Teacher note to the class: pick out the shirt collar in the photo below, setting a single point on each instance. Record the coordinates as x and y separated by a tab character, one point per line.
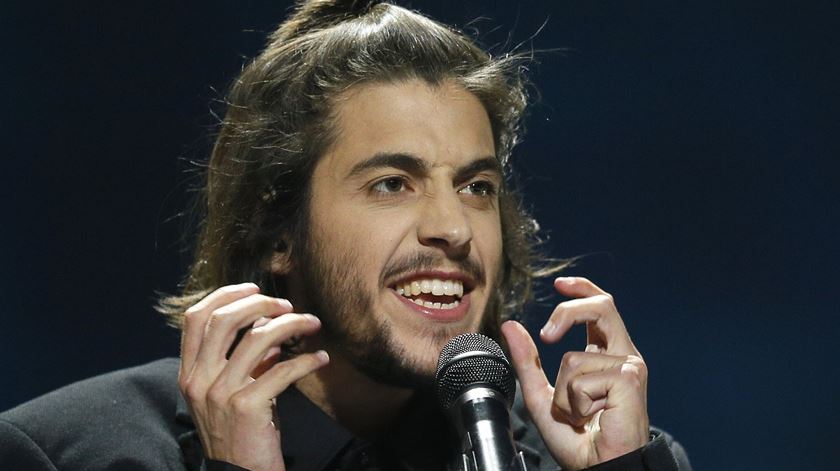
311	439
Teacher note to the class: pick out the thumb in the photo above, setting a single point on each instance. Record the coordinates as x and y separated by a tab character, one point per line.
536	390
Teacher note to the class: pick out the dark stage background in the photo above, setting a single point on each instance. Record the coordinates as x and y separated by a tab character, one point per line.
688	147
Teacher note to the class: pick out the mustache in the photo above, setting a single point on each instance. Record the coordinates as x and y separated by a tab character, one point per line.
424	261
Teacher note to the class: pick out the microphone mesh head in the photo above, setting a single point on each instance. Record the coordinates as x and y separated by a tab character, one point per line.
471	359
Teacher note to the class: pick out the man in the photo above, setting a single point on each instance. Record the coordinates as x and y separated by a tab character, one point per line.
360	176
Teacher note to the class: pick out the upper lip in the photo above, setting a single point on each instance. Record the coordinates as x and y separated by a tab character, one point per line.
468	282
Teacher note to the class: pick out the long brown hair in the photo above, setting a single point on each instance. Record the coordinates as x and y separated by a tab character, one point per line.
278	123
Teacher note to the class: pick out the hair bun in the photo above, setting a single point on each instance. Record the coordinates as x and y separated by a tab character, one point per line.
312	15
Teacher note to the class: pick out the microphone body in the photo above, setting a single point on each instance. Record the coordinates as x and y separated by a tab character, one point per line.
475	386
482	421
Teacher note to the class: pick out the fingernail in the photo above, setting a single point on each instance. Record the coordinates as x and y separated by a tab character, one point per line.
247	285
284	302
548	329
323	356
563	279
592	348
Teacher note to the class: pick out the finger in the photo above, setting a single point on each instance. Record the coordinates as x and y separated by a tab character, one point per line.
575	365
605	329
559	322
580	363
579	287
585	396
573	287
261	322
196	316
257	342
576	287
590	393
604	324
536	390
224	323
271	357
592	348
278	378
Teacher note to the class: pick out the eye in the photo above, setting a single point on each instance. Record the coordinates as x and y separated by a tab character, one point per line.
479	188
389	185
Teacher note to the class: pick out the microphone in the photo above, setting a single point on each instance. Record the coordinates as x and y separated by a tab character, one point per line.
475	386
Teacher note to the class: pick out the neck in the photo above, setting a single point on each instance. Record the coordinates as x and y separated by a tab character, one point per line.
363	406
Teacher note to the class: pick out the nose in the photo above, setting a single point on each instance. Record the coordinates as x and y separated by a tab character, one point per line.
444	224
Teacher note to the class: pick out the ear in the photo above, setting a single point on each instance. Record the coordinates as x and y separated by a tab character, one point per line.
281	258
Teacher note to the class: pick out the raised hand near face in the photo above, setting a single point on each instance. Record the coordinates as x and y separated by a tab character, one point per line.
231	399
597	409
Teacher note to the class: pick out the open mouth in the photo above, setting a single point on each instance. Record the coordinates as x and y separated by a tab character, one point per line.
433	293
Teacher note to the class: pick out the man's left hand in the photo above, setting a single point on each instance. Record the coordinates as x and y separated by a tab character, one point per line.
597	409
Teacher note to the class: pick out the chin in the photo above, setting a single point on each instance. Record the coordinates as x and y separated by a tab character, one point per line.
420	350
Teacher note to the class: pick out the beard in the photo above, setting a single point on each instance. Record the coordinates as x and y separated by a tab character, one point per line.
351	327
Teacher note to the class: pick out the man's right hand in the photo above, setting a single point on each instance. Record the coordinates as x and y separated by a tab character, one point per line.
232	399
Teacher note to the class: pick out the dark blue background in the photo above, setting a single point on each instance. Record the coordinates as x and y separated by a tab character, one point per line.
688	147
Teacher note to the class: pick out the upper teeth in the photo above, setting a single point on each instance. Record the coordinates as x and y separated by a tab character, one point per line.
431	286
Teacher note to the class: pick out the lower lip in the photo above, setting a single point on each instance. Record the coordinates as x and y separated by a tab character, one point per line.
441	315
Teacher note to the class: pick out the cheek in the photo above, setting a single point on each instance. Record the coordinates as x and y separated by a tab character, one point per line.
373	236
377	232
488	238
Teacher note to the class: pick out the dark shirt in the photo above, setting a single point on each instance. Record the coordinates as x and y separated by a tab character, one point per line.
136	419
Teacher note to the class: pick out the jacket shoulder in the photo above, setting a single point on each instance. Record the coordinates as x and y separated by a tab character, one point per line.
122	418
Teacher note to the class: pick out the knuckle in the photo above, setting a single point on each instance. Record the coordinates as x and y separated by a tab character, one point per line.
216	397
570	361
194	315
254	333
220	317
262	299
261	333
183	381
227	289
241	403
192	311
639	363
295	321
631	376
575	386
191	391
268	303
606	299
259	302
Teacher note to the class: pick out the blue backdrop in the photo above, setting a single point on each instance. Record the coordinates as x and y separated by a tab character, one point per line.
689	148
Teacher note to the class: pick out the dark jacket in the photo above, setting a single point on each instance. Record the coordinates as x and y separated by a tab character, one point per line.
135	419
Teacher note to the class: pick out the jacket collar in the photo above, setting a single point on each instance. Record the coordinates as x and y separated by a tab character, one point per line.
311	439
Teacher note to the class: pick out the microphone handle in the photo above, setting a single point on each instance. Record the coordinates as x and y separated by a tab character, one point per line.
482	420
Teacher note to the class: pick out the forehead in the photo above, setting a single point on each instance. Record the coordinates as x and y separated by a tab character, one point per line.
445	125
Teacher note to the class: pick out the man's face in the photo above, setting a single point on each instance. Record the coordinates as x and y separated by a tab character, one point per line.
405	238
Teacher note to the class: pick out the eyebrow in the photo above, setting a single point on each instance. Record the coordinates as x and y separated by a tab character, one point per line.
413	164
